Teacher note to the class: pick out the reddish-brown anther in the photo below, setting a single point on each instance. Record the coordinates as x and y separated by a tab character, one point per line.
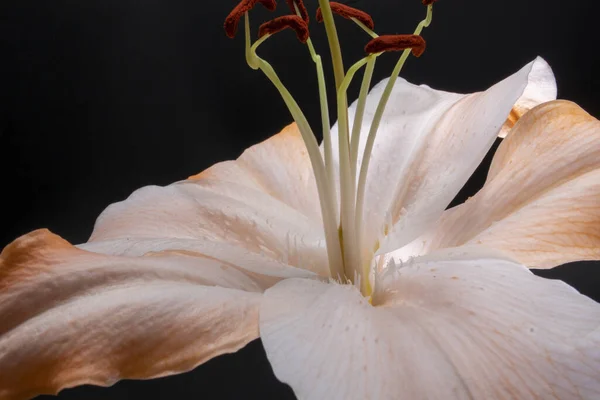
287	21
428	2
301	8
348	12
396	43
232	20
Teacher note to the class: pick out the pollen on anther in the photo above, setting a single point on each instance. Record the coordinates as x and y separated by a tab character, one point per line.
233	19
287	21
301	8
396	43
348	12
428	2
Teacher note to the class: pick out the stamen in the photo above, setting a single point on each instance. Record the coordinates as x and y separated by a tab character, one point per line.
293	4
347	179
343	232
326	192
348	13
360	196
359	114
396	43
327	147
232	20
287	21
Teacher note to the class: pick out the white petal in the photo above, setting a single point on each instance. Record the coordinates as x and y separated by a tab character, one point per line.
282	168
69	317
540	202
428	145
260	207
507	332
461	328
540	89
327	342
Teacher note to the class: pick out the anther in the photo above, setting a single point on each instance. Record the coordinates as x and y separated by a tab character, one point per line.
348	12
287	21
428	2
301	8
396	43
232	20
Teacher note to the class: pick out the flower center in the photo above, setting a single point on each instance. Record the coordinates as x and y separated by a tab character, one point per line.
341	222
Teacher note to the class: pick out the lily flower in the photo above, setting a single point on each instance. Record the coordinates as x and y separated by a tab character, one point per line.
342	257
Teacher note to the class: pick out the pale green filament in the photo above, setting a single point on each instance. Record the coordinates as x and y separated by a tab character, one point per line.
353	249
338	72
375	126
364	90
360	110
312	147
347	160
365	28
327	145
346	254
347	183
354	145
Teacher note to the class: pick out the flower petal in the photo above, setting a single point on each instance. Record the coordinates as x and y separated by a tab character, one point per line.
540	202
69	317
428	145
462	328
540	89
507	332
279	166
327	342
261	206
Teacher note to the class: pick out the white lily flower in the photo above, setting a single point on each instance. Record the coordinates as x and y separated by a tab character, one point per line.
414	302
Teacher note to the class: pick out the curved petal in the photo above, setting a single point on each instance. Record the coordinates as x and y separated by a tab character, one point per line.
452	326
279	166
428	145
540	201
261	205
540	89
69	317
259	264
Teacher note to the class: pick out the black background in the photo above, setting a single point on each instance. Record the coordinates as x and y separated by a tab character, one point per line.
100	97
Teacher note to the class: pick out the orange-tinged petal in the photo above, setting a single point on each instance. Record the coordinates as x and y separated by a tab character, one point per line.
70	317
260	212
561	226
279	166
541	201
540	89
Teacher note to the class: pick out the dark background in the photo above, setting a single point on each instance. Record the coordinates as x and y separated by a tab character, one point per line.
102	97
